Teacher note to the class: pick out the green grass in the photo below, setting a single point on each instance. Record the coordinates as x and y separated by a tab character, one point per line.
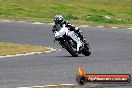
101	19
73	10
12	49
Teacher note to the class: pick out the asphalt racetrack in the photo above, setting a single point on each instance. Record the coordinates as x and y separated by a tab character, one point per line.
111	53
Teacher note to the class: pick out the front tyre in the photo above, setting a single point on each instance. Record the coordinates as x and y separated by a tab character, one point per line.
86	50
70	49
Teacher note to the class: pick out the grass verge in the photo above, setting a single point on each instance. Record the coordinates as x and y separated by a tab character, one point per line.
104	12
12	49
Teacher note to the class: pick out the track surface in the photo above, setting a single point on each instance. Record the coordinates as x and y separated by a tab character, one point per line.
111	53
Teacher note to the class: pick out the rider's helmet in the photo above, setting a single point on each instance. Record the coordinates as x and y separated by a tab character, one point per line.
58	19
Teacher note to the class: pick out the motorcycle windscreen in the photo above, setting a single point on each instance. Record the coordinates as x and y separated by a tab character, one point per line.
58	27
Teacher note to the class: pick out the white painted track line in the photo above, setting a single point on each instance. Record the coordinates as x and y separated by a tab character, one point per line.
24	87
45	86
6	21
67	84
114	27
84	26
37	23
129	28
32	53
100	26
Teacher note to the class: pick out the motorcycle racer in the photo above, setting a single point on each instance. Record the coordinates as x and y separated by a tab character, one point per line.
59	22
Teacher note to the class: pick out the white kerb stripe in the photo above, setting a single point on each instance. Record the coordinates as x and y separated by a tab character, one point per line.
37	23
24	87
67	84
129	28
84	26
114	27
50	85
100	26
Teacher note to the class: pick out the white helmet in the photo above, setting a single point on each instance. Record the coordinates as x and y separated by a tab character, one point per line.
58	19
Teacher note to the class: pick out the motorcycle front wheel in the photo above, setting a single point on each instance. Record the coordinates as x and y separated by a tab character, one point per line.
70	49
86	51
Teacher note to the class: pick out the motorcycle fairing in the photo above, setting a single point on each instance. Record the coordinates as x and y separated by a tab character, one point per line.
64	30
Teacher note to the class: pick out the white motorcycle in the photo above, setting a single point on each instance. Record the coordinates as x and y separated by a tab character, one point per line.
71	42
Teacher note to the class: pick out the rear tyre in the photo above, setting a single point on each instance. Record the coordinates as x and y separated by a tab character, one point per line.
69	49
